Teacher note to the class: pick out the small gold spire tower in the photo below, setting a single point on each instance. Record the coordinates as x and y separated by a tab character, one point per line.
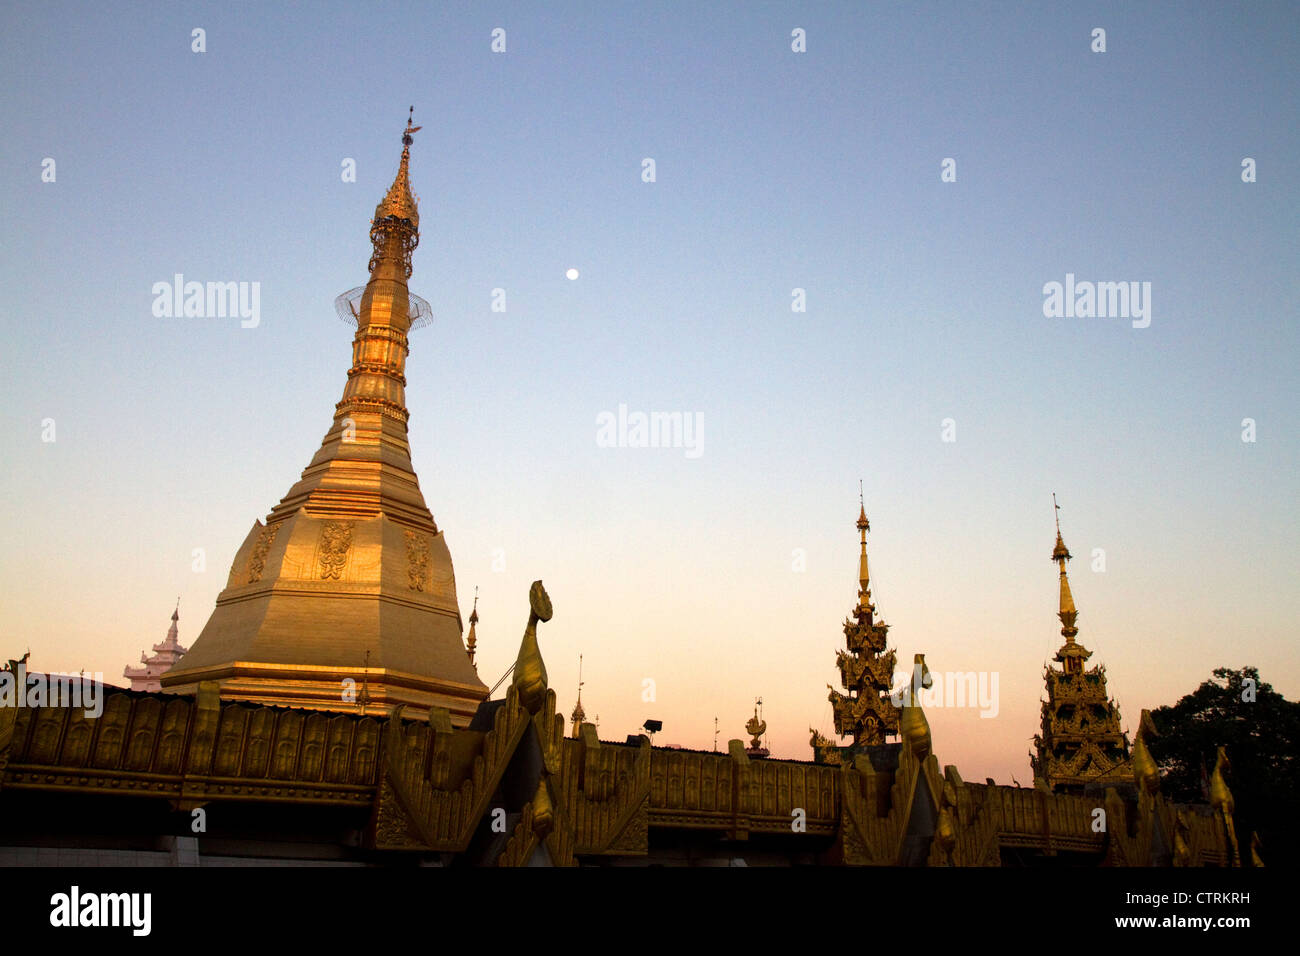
471	643
1081	742
866	671
756	727
579	715
350	563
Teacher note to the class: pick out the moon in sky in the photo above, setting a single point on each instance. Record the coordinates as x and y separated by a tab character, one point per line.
572	274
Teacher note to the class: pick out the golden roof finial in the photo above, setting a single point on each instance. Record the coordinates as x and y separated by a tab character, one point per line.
864	576
579	715
756	726
400	201
395	230
472	643
1061	554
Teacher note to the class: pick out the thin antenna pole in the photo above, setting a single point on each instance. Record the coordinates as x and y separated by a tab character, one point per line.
365	684
509	671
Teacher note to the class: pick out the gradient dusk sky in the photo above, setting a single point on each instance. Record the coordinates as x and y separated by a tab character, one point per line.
775	170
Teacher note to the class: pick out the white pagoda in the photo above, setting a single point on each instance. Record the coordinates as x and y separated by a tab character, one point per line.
165	656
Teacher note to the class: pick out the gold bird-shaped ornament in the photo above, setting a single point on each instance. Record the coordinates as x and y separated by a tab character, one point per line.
530	671
1221	800
1145	771
912	725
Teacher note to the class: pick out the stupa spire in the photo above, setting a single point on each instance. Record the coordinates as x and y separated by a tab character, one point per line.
579	715
395	230
350	562
866	670
1081	743
864	575
400	202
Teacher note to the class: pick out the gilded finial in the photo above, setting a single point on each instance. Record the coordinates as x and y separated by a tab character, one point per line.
399	201
1060	551
864	574
756	726
579	715
530	670
472	642
395	229
410	128
1061	554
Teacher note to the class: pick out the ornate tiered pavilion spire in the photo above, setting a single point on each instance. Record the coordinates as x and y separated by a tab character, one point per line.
350	578
165	656
867	670
1081	742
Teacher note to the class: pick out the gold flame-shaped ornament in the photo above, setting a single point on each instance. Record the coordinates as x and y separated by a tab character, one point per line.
1145	771
945	828
543	811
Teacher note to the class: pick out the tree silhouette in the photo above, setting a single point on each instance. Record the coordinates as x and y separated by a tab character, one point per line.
1260	730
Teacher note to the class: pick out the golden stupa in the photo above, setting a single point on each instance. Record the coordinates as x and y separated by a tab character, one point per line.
347	592
329	713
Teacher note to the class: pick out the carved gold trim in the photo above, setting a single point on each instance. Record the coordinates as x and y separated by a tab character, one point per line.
335	543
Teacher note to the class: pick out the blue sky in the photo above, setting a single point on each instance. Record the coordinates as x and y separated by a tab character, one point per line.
775	170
